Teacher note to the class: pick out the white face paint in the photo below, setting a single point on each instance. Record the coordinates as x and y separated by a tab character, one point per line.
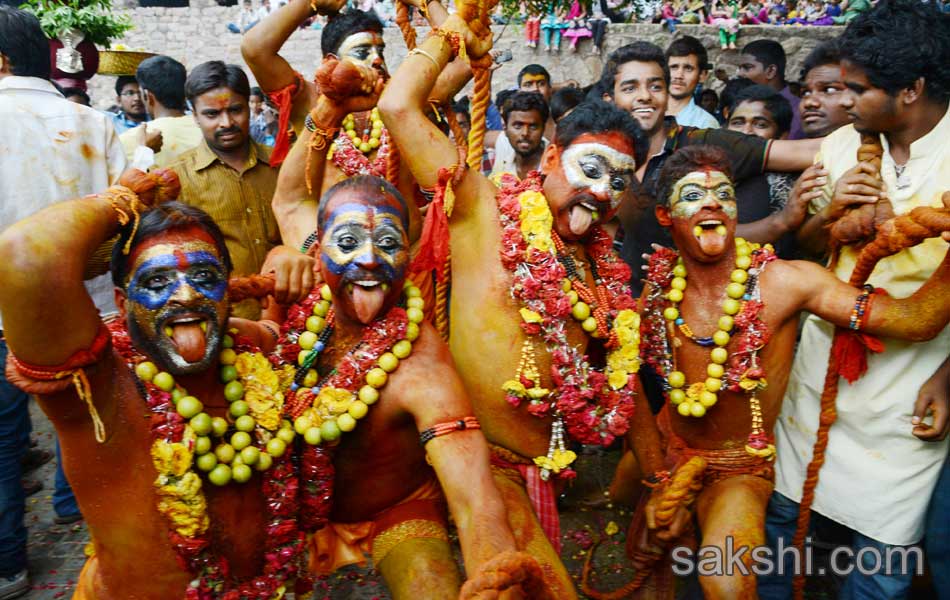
607	172
364	48
699	189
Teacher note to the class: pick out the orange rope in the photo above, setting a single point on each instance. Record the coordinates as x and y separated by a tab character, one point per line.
402	21
681	491
442	300
481	97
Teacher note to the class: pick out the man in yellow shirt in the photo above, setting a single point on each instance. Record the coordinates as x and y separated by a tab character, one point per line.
162	82
228	175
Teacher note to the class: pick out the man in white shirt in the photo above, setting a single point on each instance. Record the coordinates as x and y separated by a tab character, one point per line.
51	149
519	150
884	454
689	66
162	81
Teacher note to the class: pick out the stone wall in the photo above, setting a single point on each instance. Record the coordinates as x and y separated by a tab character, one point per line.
199	33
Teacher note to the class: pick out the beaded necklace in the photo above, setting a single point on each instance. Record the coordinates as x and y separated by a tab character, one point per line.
178	486
741	324
349	152
323	409
593	406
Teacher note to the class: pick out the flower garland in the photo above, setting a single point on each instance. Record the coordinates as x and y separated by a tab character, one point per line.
183	504
323	411
593	406
749	335
350	149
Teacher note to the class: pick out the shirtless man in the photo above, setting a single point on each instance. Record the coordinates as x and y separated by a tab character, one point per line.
353	37
748	304
136	444
499	313
388	501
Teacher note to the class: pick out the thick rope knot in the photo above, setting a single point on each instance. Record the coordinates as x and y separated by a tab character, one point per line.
505	571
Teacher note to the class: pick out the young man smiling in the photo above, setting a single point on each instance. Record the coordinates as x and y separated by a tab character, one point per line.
636	79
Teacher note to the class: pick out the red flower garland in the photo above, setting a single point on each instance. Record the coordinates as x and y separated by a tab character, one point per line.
279	484
592	411
351	160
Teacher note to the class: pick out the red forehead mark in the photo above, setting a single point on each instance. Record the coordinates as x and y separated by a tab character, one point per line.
181	258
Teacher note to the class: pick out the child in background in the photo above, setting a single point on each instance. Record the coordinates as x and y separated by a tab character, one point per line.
532	26
726	18
577	24
552	26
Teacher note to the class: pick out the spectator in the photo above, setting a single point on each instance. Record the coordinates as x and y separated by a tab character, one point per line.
668	15
563	102
535	78
162	81
852	10
689	67
729	93
762	200
77	95
726	18
820	105
760	110
709	101
228	175
258	125
525	114
264	10
598	22
551	26
131	108
63	150
576	25
763	61
247	19
532	27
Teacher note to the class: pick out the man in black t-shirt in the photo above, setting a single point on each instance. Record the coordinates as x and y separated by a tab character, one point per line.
636	78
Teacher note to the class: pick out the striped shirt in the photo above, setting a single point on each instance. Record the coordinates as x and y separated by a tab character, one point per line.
239	202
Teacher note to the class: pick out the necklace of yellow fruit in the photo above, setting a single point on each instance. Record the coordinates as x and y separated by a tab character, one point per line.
699	396
339	401
369	138
237	451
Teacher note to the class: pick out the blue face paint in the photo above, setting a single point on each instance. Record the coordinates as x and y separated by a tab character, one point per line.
157	279
359	237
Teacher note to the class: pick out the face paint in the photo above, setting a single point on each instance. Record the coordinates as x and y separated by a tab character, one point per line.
606	172
176	302
364	255
364	48
702	189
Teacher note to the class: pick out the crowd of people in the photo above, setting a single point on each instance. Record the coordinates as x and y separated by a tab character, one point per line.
287	328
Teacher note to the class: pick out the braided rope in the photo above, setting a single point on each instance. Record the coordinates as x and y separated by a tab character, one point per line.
681	491
442	300
402	21
252	286
481	97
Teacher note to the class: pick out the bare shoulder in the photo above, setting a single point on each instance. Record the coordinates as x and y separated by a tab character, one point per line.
427	383
787	282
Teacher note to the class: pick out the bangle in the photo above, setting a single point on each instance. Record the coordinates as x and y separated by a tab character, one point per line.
320	135
440	429
309	242
861	305
422	52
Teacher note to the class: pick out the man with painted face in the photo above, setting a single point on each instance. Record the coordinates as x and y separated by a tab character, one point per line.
537	293
137	401
388	502
636	79
720	321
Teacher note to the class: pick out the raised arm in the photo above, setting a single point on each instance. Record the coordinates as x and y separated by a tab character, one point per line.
261	45
346	88
461	458
421	145
42	259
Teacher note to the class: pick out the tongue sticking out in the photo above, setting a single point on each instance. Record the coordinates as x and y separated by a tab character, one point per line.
190	341
711	241
581	219
367	301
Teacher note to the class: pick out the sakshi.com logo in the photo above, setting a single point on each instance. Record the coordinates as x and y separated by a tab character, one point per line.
710	561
